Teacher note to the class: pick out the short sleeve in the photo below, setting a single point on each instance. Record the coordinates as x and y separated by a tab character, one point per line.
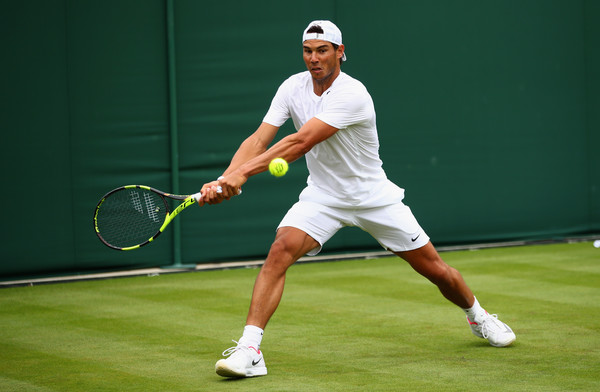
347	108
279	111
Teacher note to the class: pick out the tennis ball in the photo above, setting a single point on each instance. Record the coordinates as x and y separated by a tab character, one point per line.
278	167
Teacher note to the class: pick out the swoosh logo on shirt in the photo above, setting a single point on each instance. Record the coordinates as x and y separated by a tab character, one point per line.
417	237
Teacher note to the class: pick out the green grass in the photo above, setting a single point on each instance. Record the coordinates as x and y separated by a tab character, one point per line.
364	325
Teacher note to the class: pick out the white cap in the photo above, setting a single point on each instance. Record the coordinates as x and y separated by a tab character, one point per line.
331	33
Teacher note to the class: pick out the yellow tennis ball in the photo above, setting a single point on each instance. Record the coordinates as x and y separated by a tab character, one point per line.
278	167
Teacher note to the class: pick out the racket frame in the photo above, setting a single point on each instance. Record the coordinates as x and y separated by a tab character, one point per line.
188	200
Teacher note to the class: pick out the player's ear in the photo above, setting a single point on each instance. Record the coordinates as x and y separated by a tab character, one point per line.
340	51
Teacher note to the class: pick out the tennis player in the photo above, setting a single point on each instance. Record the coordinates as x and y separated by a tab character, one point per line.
335	121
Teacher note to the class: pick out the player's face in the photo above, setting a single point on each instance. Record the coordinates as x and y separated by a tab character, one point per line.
321	59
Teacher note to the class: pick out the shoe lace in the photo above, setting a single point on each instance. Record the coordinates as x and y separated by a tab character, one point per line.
233	349
488	324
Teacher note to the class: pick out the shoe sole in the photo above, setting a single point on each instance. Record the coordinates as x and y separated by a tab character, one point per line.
224	370
505	343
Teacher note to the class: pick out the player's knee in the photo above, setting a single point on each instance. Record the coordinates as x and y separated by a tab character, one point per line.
279	258
279	249
443	275
436	271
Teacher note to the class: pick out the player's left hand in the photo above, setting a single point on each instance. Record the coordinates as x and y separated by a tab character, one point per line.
211	194
231	185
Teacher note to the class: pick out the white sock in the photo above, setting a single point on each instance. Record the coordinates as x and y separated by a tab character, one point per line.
475	312
252	337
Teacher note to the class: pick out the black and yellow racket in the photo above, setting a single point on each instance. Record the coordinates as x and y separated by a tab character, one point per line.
132	216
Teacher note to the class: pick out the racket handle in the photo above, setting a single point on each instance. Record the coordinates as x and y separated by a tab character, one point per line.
198	196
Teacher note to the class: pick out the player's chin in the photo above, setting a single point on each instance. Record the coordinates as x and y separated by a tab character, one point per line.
321	76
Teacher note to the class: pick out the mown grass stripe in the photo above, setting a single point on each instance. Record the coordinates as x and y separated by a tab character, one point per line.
352	325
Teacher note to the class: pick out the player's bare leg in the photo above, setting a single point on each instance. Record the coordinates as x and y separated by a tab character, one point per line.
428	263
246	359
290	244
451	284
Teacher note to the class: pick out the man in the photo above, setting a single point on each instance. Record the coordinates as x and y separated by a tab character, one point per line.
336	131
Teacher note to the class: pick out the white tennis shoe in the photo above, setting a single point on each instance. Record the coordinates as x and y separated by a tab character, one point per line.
243	361
492	329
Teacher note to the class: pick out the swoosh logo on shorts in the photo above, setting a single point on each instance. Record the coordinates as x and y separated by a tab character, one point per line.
417	237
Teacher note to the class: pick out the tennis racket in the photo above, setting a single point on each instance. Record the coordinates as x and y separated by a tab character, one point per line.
132	216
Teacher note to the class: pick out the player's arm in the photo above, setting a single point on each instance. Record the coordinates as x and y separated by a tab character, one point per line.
254	145
289	148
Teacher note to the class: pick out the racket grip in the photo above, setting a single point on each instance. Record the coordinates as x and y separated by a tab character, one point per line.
198	196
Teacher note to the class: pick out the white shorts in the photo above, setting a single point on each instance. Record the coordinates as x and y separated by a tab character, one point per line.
393	226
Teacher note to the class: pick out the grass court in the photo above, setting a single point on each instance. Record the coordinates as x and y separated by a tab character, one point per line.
358	325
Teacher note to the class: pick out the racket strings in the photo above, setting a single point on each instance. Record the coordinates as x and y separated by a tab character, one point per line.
132	216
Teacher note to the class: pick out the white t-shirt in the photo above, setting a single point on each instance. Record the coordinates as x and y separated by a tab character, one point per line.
344	170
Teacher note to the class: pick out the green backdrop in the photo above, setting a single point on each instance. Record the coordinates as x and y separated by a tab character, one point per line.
488	114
